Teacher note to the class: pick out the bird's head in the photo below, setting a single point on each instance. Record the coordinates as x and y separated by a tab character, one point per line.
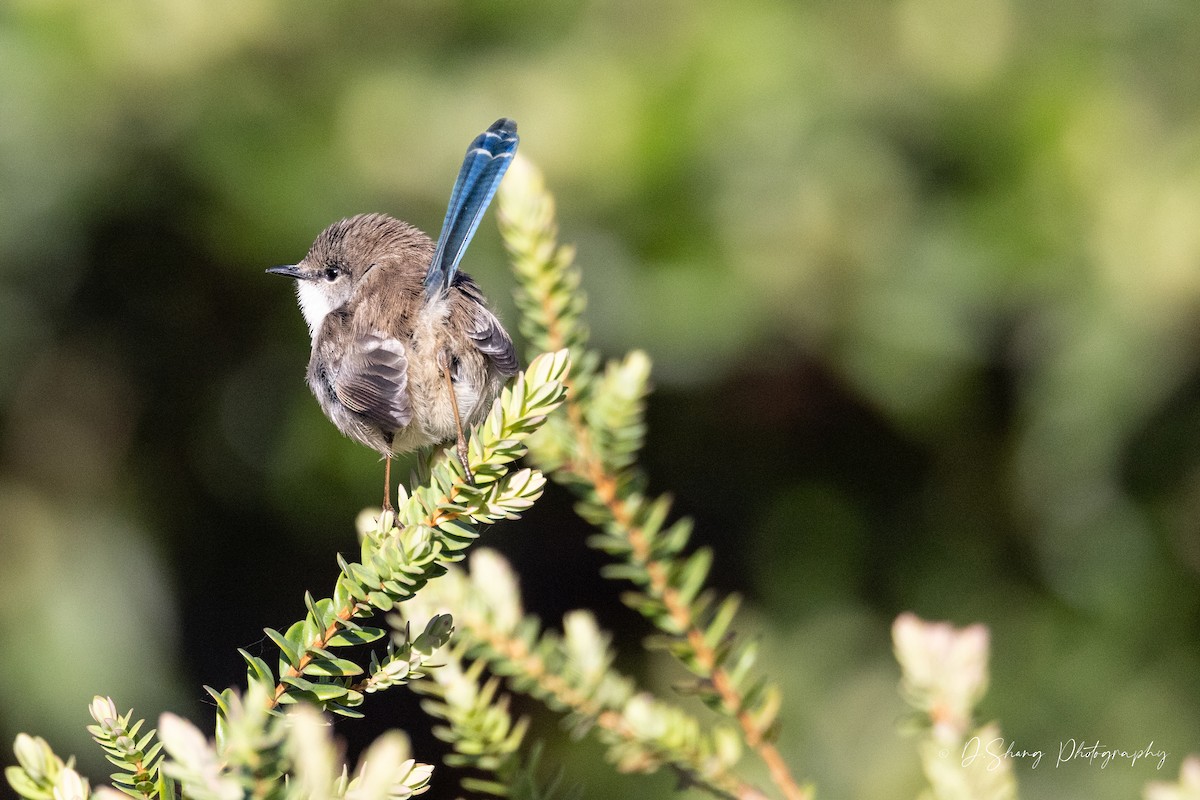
345	253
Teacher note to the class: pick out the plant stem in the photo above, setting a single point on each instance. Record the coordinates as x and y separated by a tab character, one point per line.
589	466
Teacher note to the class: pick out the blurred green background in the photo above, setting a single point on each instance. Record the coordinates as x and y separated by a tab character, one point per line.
920	281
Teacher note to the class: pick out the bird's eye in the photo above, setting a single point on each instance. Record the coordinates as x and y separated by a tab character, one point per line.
331	273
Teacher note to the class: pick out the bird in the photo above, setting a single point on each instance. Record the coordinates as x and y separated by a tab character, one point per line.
406	353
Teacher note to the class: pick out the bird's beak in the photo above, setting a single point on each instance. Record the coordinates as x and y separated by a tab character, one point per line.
289	270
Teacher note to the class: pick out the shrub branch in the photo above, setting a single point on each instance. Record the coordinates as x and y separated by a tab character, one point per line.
594	454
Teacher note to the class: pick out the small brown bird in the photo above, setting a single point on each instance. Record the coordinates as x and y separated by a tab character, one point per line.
405	352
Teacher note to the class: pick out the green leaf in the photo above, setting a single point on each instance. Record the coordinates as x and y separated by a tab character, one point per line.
458	530
607	542
753	696
25	786
323	692
398	588
320	652
485	787
338	667
304	632
743	661
364	576
359	635
380	600
766	712
152	753
549	367
437	632
721	620
344	711
258	668
145	740
634	573
654	515
322	612
691	576
220	698
290	654
295	682
355	590
329	691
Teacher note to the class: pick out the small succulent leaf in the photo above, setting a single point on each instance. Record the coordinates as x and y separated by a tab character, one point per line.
361	635
337	667
287	650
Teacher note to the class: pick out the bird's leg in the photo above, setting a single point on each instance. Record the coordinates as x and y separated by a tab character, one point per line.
460	443
388	517
387	485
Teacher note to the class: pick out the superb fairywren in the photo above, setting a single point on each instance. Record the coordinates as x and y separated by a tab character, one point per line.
405	352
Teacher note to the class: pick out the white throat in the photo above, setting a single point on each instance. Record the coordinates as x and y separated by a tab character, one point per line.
314	304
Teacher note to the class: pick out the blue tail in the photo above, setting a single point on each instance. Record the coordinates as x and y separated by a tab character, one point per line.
487	159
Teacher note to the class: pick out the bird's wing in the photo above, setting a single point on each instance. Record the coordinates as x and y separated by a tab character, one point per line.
373	381
490	338
487	159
